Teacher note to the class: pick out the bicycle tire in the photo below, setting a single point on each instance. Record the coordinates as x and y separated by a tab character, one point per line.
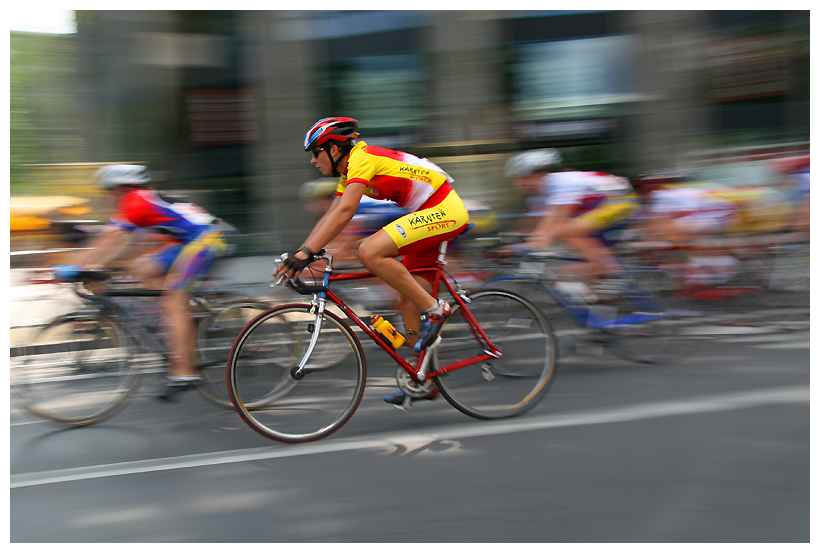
564	327
515	382
270	400
215	335
76	370
657	332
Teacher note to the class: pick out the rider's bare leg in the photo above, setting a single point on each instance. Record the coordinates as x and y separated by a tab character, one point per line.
597	254
378	254
411	315
176	315
180	332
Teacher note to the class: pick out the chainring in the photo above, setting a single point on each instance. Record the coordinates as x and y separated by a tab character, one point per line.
412	388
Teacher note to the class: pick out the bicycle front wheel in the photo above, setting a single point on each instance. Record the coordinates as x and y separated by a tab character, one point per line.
75	370
511	384
267	396
645	327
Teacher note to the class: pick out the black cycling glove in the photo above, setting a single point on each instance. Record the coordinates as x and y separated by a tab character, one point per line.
293	263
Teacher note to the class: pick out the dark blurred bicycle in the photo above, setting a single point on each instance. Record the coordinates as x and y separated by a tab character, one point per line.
82	367
629	321
770	283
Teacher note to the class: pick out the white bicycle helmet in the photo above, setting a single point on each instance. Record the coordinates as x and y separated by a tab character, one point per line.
533	161
111	176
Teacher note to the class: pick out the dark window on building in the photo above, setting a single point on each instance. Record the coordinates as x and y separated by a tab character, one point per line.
386	93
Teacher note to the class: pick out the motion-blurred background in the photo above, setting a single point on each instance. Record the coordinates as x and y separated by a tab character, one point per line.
216	103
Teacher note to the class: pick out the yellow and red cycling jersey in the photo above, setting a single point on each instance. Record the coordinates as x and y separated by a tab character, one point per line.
437	213
392	175
760	209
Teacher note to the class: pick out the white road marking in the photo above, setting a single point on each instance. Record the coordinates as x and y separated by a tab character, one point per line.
716	330
784	345
790	337
684	406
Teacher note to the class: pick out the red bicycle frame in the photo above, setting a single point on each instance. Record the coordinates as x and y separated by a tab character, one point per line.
490	352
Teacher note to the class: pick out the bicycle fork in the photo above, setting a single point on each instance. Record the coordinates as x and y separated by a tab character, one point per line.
317	308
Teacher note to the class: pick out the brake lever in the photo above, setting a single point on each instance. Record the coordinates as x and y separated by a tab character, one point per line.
279	260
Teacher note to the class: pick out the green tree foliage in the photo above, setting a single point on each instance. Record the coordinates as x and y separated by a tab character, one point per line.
45	124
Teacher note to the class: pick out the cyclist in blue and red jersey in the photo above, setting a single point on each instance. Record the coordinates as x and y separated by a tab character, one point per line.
437	214
177	268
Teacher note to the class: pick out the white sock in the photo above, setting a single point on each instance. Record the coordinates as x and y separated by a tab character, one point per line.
438	307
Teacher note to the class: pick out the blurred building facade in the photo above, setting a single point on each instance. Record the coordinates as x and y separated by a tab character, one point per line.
218	102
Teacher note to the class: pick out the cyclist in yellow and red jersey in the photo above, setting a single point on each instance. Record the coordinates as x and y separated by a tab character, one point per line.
437	214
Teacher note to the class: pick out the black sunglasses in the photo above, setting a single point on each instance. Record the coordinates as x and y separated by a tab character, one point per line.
316	152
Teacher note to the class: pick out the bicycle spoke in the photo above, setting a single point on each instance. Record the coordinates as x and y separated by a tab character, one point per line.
75	371
511	384
271	400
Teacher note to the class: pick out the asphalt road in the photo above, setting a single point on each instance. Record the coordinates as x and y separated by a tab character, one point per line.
713	448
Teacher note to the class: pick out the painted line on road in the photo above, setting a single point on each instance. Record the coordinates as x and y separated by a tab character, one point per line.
784	345
684	406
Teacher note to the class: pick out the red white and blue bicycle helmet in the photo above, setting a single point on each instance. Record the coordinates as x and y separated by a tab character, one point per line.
340	129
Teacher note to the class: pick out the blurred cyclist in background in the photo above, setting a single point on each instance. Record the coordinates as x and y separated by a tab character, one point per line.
576	207
680	215
371	215
797	176
802	179
436	214
177	268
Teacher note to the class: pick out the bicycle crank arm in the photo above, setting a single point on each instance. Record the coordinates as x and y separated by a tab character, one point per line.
406	404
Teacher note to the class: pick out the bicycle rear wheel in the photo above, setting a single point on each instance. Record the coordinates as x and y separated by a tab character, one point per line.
270	400
511	384
76	370
215	336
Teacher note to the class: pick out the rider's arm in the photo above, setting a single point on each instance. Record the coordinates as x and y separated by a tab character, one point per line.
548	226
107	247
337	218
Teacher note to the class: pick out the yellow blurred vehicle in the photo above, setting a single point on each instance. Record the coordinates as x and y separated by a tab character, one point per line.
43	224
34	213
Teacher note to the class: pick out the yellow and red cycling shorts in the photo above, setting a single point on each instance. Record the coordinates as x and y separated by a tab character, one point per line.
611	213
418	235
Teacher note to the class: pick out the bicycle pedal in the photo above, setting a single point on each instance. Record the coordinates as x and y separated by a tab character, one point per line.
406	405
400	401
592	349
